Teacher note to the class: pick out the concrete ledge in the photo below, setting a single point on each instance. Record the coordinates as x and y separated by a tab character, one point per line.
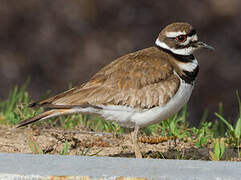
28	166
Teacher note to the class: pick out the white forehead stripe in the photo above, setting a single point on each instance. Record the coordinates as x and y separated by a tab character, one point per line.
175	34
191	38
194	37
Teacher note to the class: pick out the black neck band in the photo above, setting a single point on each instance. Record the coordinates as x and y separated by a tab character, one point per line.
188	77
182	58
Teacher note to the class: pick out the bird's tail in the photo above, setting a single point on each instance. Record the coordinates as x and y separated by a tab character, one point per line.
45	115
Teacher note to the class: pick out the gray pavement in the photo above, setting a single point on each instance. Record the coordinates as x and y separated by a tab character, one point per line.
28	166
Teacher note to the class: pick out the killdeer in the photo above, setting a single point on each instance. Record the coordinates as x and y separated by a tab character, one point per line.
137	89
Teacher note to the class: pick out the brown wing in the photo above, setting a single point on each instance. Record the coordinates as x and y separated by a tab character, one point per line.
142	79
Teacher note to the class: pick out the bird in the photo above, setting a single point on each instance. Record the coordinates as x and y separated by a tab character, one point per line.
137	89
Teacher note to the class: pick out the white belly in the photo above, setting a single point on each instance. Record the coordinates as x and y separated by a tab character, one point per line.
157	114
129	117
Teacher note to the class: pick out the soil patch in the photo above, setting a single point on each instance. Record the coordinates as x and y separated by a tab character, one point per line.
82	142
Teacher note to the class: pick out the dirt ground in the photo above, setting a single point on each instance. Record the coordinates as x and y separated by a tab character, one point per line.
82	142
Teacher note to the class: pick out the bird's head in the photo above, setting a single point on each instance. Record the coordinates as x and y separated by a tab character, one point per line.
181	39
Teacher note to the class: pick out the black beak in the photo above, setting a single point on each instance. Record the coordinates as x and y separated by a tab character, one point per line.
200	44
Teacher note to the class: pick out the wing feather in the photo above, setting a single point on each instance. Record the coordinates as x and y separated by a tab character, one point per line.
142	79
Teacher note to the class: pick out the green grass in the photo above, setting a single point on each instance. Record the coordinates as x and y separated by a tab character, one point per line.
15	108
218	150
233	133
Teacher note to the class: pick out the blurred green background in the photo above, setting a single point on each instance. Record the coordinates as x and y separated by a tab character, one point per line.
56	42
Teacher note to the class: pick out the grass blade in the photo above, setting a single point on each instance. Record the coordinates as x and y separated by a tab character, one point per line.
65	148
230	127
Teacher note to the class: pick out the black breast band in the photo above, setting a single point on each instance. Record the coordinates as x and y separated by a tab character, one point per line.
188	77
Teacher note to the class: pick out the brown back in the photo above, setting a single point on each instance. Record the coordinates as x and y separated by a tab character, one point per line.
142	79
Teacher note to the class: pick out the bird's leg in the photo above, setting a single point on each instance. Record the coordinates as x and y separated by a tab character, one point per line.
134	137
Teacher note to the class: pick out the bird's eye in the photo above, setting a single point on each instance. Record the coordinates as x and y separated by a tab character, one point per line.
181	38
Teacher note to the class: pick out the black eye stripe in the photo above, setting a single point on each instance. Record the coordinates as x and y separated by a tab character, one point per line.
193	32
